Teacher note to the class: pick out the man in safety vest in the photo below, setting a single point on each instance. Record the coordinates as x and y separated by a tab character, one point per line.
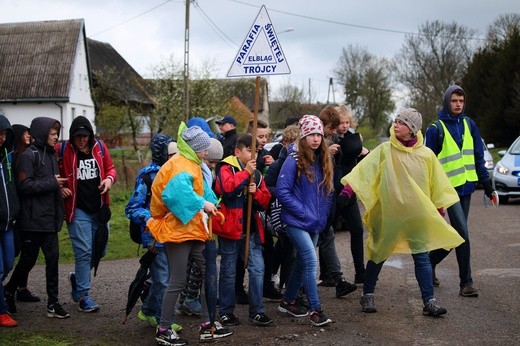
456	141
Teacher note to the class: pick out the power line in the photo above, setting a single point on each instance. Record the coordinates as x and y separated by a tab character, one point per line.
348	24
214	26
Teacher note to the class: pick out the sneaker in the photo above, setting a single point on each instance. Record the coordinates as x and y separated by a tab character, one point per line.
209	332
261	319
9	300
468	291
270	292
7	321
74	288
169	337
292	309
241	297
86	304
431	308
319	319
192	306
56	310
24	295
367	302
229	320
343	288
151	320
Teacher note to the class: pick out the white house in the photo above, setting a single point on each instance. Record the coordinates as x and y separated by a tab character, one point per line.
45	71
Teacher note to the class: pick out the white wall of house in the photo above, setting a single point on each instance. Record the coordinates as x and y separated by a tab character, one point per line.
80	100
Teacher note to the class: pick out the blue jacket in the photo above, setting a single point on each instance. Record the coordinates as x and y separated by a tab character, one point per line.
304	204
455	126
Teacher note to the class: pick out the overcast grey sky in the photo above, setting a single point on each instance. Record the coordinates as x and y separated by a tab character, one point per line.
147	32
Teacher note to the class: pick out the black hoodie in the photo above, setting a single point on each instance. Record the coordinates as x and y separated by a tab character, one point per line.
40	199
9	199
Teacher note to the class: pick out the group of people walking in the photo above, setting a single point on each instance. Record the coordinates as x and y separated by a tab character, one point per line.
41	181
199	191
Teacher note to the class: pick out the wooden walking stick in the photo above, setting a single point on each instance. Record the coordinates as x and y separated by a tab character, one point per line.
252	178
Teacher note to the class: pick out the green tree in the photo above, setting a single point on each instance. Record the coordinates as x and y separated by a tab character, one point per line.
492	83
432	60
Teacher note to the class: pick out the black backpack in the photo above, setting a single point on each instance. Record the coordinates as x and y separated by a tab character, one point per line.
135	228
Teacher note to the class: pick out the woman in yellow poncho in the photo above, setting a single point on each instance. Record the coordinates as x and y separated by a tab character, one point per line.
404	190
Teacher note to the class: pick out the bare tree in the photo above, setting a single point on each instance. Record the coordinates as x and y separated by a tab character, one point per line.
503	28
430	61
366	80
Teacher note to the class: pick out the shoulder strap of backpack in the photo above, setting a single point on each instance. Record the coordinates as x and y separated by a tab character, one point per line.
101	147
36	154
440	129
148	182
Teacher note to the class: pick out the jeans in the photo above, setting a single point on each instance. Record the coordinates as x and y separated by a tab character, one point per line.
210	253
230	251
159	274
178	255
305	267
82	232
31	244
458	214
6	262
423	274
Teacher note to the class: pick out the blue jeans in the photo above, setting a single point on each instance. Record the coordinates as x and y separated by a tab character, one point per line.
6	262
423	274
82	232
458	214
159	274
229	251
305	267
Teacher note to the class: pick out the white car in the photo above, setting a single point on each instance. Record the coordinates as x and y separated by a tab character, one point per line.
506	176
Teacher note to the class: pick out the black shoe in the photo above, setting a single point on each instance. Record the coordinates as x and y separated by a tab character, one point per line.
168	337
343	288
260	319
367	302
24	295
328	282
206	332
56	310
270	292
9	300
292	309
241	297
229	320
468	291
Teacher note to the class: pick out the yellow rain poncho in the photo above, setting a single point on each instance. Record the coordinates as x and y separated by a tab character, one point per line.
402	188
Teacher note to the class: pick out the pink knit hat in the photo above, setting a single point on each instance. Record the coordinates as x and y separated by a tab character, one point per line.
310	124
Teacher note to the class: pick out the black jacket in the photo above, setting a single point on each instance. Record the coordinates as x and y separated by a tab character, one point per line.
9	200
229	142
40	199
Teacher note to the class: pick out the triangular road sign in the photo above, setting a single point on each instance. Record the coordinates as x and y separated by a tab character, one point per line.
261	53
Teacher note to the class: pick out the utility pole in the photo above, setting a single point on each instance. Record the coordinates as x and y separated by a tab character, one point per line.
331	89
186	94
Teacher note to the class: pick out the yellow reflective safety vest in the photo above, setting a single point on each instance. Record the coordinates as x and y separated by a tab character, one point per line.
459	164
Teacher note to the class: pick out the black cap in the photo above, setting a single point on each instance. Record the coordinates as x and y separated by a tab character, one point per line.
228	119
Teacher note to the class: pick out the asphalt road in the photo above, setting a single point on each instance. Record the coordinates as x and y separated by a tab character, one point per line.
491	319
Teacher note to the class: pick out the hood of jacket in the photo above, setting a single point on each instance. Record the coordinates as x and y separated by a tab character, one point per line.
40	128
159	148
79	122
445	112
9	140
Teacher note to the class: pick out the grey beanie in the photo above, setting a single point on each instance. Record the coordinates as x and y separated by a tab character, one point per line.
412	118
216	151
196	138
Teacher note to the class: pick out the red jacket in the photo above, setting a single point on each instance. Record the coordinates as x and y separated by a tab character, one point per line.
69	169
231	183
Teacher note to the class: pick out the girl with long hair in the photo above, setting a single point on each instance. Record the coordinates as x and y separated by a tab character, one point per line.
305	190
